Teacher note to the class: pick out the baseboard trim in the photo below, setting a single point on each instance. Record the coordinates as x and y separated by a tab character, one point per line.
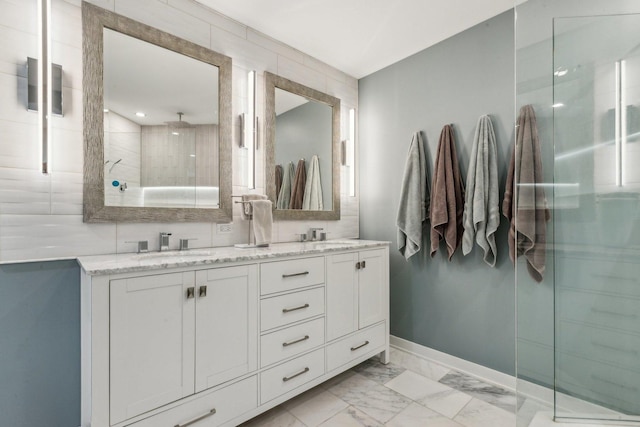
489	375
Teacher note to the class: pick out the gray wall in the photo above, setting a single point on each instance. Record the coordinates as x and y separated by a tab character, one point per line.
303	132
40	344
463	307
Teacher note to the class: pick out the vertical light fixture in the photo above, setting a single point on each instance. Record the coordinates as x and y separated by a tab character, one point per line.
351	152
44	83
250	130
620	122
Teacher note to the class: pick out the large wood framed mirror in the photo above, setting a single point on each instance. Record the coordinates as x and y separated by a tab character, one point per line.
302	127
157	124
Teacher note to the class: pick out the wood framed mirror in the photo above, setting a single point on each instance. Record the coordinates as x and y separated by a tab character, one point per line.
157	124
302	123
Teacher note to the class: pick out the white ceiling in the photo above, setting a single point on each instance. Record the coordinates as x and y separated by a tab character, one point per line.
360	37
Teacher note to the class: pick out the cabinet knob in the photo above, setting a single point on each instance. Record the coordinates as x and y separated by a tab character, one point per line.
357	266
191	292
202	291
363	264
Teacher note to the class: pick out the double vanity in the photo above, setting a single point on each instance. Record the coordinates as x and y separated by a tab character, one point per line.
214	337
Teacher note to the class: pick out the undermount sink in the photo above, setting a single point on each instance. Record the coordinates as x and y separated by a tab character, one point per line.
173	254
328	244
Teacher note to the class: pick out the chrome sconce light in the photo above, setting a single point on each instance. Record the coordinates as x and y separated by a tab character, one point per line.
44	85
249	138
348	153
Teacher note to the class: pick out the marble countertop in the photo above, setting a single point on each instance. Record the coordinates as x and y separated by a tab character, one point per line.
97	265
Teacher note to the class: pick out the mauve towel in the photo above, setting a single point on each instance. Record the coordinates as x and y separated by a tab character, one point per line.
414	199
297	189
529	213
278	179
284	196
447	196
481	216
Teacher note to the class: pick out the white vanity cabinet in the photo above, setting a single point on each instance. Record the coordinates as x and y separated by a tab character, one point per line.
217	339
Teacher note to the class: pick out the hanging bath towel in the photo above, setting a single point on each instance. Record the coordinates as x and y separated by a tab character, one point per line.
278	179
481	216
447	196
312	200
414	199
528	213
297	188
284	197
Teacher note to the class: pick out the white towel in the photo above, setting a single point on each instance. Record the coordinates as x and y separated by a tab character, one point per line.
284	198
262	221
414	199
247	208
481	216
312	200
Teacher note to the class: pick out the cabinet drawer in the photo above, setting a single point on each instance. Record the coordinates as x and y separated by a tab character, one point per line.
229	403
280	345
354	346
285	309
286	377
614	347
292	274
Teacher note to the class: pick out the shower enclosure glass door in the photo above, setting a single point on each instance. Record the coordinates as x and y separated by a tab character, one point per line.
596	122
578	330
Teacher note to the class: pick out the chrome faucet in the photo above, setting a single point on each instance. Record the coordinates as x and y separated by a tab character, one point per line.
164	241
314	235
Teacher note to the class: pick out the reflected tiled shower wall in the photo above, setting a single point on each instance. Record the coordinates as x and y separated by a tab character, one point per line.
41	215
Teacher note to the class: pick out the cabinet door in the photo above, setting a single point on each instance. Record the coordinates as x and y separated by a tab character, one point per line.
342	295
152	341
226	324
373	280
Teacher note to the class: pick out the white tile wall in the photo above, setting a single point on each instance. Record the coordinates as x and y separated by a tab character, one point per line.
41	215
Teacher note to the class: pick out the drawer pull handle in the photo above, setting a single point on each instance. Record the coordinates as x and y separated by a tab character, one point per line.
614	383
610	347
304	371
613	313
202	292
200	418
359	346
287	344
191	292
304	273
288	310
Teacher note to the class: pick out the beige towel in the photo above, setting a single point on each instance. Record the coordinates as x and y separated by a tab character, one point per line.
262	222
481	216
312	200
447	195
297	188
247	208
414	199
529	213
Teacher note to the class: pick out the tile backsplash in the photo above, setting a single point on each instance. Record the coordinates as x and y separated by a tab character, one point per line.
41	215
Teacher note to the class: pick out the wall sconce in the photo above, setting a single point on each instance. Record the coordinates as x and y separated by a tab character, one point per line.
44	85
249	122
349	153
621	122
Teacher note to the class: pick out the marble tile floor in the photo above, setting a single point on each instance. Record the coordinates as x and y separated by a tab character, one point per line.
409	391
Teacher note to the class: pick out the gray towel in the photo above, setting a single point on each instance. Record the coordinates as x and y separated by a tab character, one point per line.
528	213
284	197
414	199
312	200
481	216
247	208
262	222
447	196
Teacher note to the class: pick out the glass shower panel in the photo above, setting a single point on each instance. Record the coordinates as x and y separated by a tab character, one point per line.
596	225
